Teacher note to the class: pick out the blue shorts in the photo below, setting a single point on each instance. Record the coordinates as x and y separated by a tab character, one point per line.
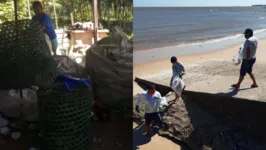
246	66
157	117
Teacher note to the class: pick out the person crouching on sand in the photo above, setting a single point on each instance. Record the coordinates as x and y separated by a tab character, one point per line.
178	71
249	58
153	110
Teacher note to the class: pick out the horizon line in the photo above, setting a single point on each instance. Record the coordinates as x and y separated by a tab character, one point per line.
189	6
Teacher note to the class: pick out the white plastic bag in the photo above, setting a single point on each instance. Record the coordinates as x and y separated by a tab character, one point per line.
10	104
164	101
238	58
48	41
178	85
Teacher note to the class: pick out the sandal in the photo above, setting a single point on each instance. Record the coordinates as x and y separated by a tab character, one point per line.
254	86
235	86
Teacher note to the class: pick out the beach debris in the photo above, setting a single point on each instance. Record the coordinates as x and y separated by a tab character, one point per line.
33	126
15	135
7	132
118	144
96	140
4	130
10	102
95	118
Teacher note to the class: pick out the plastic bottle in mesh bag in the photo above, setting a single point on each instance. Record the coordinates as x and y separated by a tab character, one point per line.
178	85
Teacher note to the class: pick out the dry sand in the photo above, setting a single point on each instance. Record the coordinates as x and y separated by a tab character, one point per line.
160	71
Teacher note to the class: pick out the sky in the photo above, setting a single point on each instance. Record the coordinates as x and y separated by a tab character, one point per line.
182	3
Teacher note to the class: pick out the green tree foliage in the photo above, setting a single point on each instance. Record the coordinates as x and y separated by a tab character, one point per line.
112	12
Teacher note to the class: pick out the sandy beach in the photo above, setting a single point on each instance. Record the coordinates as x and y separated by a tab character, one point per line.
161	66
158	68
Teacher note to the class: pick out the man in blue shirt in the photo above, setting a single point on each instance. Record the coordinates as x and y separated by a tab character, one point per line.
46	22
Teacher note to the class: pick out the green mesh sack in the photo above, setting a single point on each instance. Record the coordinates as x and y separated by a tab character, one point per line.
24	54
78	141
65	115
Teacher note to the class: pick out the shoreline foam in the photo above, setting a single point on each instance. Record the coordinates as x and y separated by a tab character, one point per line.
162	53
260	32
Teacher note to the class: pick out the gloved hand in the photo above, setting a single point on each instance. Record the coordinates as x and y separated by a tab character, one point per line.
137	109
160	109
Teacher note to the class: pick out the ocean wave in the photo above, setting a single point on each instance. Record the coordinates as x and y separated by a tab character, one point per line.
204	41
219	39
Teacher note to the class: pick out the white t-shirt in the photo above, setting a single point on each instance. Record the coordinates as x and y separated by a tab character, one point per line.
253	44
177	68
152	103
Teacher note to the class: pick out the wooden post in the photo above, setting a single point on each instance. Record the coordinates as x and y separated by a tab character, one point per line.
55	15
28	3
72	18
95	20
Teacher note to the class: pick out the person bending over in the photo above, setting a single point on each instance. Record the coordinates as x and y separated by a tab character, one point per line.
46	22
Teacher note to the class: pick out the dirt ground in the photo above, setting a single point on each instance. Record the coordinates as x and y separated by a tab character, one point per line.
112	134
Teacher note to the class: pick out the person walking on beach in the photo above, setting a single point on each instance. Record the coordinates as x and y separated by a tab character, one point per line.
178	72
153	108
249	58
46	22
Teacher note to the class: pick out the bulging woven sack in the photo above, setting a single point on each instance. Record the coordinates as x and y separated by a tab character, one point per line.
24	53
109	63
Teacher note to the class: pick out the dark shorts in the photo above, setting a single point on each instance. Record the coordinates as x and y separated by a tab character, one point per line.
246	66
157	117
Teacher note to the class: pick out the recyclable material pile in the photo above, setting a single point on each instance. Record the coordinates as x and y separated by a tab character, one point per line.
109	63
83	26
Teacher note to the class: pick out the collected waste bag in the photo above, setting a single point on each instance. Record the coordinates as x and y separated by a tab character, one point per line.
48	41
178	85
239	56
10	104
109	63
